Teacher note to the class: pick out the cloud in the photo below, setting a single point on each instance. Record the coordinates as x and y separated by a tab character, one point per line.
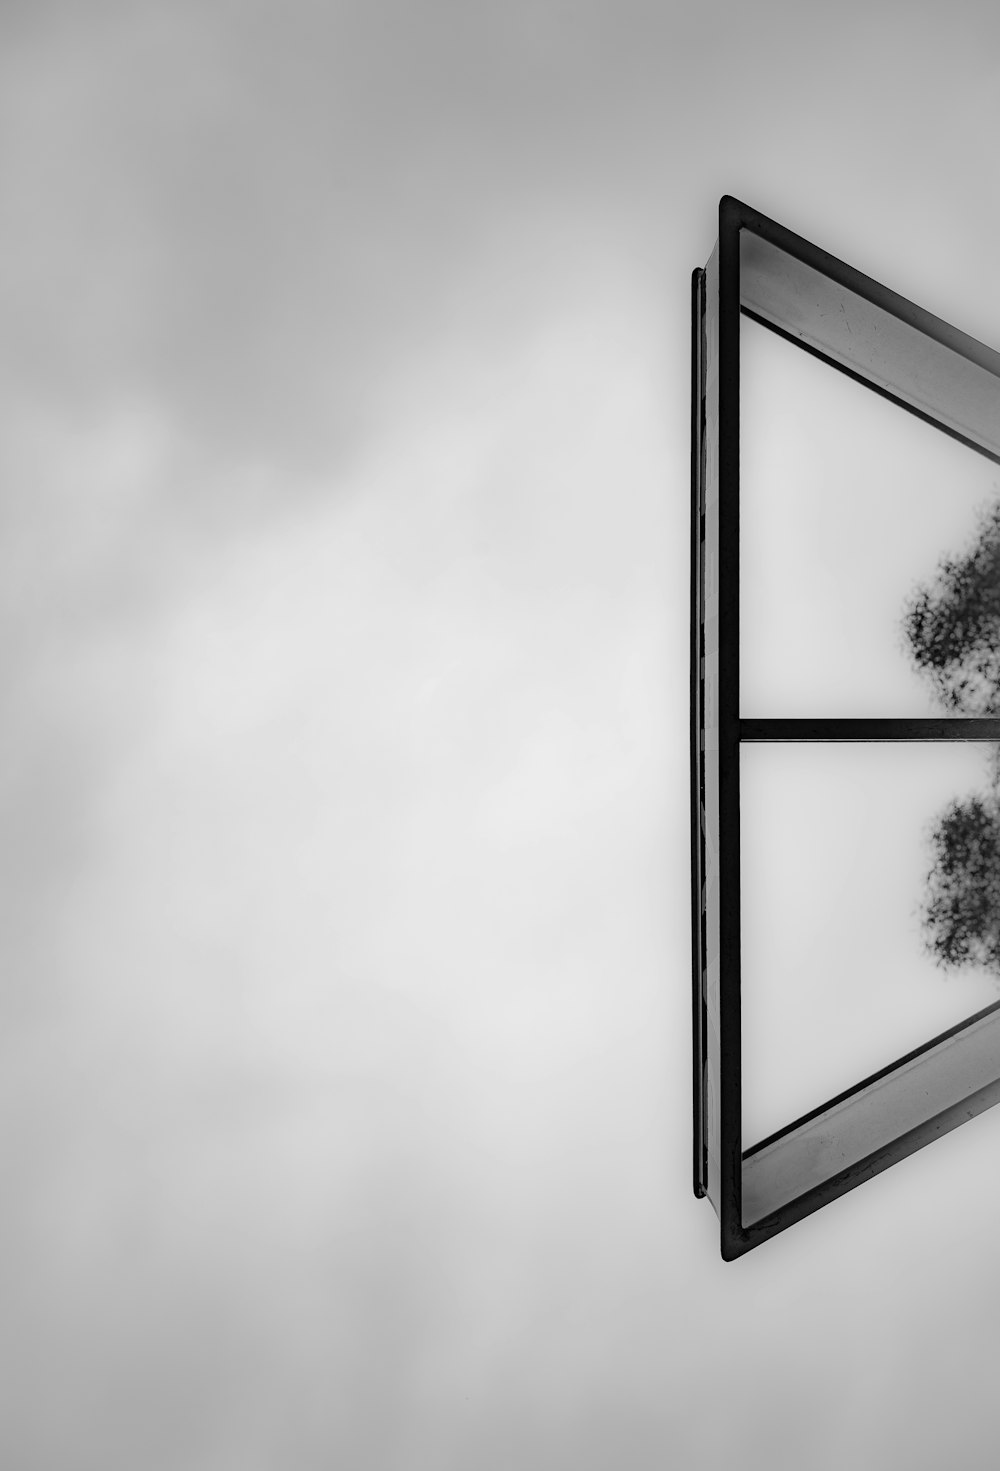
361	800
345	837
246	213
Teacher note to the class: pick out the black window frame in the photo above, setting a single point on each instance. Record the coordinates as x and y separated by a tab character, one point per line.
763	271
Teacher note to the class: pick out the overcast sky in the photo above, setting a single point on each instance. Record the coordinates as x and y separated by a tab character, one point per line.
343	631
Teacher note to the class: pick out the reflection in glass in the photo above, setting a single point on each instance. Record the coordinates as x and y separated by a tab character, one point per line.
838	977
962	908
953	626
953	629
847	504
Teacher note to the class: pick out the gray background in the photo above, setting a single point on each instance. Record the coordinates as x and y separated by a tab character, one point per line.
343	624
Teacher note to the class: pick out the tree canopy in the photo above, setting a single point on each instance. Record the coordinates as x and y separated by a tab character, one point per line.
953	630
962	908
953	626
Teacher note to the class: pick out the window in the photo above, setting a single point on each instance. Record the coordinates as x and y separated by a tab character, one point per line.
794	690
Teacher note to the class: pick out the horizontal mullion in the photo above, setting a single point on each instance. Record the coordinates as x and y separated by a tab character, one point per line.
984	728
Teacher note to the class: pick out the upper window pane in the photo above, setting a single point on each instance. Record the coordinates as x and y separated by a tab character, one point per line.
869	541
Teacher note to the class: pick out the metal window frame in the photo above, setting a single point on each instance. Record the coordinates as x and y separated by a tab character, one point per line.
762	270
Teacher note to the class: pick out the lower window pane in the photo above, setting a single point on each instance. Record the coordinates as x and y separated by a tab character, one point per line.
870	914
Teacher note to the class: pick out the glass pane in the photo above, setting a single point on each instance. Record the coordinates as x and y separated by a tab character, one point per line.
870	879
849	505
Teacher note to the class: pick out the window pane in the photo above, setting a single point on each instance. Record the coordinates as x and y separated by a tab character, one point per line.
841	951
849	504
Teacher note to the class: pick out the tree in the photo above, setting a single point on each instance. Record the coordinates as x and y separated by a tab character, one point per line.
953	629
962	908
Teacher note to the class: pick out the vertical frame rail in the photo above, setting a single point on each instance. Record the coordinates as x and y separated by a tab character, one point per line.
700	1157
